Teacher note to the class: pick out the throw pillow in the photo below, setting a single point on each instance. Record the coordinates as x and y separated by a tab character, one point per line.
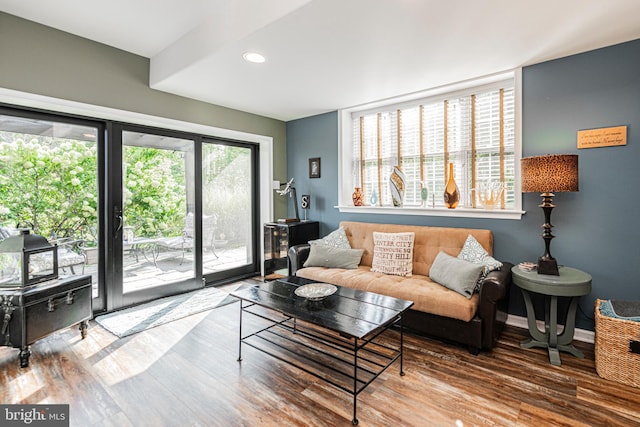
336	239
455	274
328	256
393	253
473	251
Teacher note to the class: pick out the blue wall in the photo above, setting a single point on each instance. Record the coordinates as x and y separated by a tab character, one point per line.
597	229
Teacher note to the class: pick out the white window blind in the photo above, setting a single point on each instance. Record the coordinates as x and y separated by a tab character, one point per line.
474	130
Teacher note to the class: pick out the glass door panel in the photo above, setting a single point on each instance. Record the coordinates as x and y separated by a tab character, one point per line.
228	208
49	184
158	233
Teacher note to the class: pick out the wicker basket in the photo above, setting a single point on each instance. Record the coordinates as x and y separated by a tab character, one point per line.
617	359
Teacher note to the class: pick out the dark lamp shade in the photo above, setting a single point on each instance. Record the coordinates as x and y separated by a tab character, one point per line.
554	173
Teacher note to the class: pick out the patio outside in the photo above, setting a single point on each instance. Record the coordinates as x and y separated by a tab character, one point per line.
48	183
143	272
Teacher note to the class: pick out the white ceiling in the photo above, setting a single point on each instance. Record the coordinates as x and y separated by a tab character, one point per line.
324	55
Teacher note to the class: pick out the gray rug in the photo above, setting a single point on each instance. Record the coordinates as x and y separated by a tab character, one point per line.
158	312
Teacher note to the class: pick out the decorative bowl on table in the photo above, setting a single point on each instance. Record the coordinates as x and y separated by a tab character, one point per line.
316	291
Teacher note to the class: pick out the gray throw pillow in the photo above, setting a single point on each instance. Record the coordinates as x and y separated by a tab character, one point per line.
336	239
456	274
328	256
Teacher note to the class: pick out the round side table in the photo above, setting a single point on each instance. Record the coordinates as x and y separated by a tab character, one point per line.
570	283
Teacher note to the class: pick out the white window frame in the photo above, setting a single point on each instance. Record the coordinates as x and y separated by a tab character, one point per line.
345	151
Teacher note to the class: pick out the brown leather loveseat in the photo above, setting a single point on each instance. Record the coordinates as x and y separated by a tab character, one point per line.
474	322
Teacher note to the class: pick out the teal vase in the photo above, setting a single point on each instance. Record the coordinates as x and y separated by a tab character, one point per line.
373	200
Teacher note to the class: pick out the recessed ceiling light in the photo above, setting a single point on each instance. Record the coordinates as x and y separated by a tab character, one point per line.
254	57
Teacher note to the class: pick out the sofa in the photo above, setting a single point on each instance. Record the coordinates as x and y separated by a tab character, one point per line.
473	319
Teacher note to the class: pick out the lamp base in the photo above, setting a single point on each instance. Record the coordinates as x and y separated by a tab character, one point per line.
548	266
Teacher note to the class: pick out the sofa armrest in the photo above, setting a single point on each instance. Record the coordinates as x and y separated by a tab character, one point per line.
297	254
493	306
496	285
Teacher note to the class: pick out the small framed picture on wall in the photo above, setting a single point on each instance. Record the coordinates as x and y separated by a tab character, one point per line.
314	167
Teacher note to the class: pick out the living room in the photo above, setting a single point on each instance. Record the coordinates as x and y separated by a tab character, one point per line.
591	89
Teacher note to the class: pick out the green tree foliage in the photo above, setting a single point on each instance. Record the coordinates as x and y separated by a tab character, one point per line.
48	184
154	191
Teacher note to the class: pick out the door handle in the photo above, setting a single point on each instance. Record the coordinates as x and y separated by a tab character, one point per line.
117	221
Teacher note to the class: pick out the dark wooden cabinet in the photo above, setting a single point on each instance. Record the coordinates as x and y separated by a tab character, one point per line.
279	237
32	312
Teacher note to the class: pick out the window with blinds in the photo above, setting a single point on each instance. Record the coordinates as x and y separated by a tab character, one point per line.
475	131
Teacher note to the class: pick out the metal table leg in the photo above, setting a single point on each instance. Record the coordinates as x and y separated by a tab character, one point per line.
354	421
240	334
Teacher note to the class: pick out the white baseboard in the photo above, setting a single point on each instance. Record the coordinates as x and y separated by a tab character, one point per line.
579	334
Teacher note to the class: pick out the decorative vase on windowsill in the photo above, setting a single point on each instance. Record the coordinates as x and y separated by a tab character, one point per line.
424	193
451	192
373	200
397	186
489	194
357	197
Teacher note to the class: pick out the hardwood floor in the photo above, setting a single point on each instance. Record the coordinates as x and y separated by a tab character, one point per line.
185	373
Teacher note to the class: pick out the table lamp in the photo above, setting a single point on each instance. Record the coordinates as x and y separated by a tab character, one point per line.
289	189
553	173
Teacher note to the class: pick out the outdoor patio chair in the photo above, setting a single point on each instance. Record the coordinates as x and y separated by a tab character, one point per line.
186	242
70	255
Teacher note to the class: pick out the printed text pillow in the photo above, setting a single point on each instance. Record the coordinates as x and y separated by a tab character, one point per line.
393	253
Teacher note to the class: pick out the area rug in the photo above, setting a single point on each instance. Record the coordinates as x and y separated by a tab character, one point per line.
158	312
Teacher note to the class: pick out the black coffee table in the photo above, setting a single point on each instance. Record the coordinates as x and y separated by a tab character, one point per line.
337	339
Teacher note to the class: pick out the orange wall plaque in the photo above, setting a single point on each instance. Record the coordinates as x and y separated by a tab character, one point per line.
603	137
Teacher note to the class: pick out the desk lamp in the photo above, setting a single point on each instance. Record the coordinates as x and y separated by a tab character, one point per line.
289	189
553	173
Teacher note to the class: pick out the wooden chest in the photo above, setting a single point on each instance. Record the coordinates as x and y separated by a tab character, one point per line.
33	312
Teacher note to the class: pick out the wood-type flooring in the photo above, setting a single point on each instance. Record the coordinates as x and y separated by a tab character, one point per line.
185	373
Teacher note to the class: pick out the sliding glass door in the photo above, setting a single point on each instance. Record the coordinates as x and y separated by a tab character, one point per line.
49	180
157	218
151	220
229	209
146	212
183	215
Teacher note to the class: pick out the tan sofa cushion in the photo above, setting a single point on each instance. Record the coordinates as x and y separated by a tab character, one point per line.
427	295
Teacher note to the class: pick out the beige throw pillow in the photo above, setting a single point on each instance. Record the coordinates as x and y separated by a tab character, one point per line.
393	253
